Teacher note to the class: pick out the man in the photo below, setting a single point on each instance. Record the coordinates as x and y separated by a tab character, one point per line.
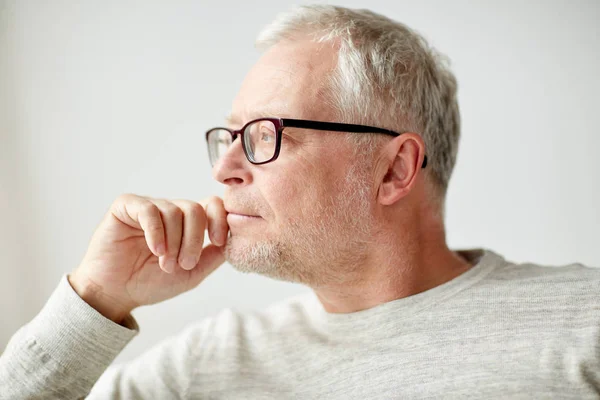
336	159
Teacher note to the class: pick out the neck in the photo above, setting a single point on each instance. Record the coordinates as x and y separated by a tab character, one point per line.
398	266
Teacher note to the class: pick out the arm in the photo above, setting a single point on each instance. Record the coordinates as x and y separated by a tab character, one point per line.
139	255
63	351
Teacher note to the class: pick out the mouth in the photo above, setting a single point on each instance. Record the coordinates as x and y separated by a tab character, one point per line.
236	219
241	213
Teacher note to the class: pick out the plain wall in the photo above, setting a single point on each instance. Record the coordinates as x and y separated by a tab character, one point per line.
102	98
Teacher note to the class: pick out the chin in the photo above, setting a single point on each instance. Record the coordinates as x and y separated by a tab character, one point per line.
251	255
265	258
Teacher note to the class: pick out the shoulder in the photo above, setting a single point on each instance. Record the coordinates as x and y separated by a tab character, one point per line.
572	286
573	275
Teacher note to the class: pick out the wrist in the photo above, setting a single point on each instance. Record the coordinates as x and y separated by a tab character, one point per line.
97	298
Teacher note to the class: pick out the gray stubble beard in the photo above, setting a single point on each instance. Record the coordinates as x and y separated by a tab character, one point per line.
332	247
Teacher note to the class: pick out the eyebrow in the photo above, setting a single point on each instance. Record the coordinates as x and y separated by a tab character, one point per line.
233	119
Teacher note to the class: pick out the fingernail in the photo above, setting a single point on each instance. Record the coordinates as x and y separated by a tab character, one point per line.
188	263
169	265
218	238
160	249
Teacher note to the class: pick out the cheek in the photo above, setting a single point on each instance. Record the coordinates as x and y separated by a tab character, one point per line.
284	197
306	200
292	199
303	185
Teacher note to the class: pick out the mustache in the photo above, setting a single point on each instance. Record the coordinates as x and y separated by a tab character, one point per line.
242	204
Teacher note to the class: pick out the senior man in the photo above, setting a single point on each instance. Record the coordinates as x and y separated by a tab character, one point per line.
336	159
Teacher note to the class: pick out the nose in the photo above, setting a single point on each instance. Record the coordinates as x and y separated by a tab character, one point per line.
233	168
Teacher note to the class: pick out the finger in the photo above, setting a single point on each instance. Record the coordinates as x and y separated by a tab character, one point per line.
194	224
172	217
140	213
217	221
152	224
212	257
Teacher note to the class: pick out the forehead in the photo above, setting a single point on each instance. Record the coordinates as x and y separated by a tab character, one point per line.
289	80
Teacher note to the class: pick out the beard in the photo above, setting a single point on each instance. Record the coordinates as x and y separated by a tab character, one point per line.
328	245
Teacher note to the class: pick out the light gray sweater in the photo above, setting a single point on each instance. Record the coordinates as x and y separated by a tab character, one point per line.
498	331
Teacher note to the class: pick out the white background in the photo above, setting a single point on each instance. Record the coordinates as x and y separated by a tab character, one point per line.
101	98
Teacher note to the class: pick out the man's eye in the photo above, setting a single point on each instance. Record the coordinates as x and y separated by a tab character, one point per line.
267	136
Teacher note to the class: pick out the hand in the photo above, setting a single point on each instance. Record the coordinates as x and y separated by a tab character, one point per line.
148	250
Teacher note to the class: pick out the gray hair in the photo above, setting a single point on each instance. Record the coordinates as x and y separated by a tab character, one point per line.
387	75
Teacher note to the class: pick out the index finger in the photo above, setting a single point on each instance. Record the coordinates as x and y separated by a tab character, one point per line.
217	220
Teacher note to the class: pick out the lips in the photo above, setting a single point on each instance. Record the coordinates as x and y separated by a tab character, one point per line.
242	213
236	221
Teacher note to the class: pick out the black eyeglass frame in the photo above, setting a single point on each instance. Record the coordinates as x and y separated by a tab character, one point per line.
281	123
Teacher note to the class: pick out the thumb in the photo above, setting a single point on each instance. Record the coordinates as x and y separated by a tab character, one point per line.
211	258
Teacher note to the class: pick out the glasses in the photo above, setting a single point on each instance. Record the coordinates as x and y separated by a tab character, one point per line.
261	138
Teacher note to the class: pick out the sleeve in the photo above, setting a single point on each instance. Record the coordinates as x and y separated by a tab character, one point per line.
63	351
163	372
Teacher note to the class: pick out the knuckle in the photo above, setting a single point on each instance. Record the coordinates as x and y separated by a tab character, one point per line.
124	198
149	208
211	200
195	211
214	199
173	211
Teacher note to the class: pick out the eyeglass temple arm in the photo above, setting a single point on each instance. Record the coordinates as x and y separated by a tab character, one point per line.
339	127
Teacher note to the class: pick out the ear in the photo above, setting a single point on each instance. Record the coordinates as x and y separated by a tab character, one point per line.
402	159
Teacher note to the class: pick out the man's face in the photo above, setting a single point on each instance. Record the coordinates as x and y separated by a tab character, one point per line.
311	206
